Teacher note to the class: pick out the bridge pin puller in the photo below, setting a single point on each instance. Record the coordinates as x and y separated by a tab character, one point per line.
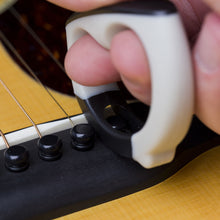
160	29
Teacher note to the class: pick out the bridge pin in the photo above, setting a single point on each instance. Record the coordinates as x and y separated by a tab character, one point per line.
16	158
49	147
83	137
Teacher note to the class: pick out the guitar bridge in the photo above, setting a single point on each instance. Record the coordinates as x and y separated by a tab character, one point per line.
81	179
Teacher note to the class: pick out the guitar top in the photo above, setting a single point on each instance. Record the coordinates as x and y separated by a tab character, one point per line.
84	180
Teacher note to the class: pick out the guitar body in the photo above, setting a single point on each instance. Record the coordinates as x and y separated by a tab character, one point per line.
192	191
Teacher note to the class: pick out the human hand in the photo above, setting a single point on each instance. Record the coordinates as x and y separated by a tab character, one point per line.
83	5
127	60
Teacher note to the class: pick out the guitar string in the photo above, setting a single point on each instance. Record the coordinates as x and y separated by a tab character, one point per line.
10	46
14	12
18	17
21	107
4	139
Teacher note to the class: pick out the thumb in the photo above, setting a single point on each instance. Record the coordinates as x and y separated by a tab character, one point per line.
207	72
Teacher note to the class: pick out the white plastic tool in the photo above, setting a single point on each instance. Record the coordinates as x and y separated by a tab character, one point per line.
159	27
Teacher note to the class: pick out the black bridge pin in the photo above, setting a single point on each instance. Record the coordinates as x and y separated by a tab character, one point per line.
16	158
49	147
118	123
83	137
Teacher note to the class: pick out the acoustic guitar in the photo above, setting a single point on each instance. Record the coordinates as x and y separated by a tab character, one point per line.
93	184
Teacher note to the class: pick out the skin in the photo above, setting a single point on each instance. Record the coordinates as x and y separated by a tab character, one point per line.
202	21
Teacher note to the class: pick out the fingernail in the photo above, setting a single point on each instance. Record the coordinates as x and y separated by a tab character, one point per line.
207	49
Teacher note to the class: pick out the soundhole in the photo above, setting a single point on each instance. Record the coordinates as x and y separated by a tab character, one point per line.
48	22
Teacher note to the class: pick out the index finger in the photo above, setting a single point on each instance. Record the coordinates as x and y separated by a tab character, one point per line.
83	5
